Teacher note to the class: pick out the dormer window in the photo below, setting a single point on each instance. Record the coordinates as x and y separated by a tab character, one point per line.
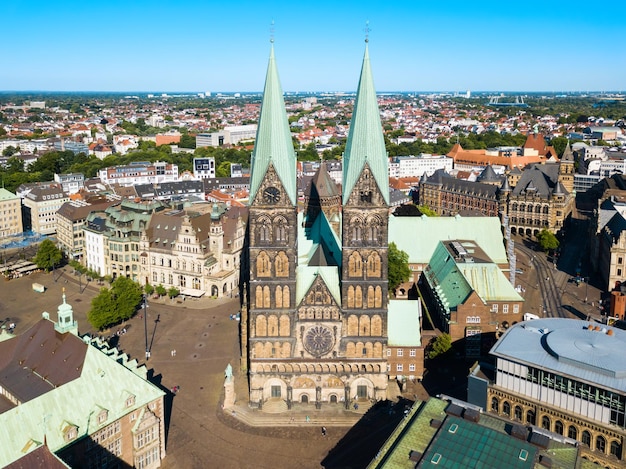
130	401
103	416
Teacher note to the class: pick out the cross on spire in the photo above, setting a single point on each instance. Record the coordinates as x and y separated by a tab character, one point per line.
367	31
272	32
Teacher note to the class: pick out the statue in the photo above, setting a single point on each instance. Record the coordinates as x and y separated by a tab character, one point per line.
229	388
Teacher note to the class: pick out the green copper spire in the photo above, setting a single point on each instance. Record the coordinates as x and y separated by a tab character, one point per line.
365	140
273	138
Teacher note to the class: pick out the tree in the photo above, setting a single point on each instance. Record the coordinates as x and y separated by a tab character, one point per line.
187	141
398	266
223	170
102	312
173	292
114	305
426	210
547	241
440	345
48	255
149	289
161	291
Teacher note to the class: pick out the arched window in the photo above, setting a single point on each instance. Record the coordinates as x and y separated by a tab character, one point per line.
530	417
506	409
286	297
358	297
600	444
279	297
558	427
354	265
281	265
586	438
495	405
616	449
263	265
572	432
281	229
518	413
374	265
350	296
545	422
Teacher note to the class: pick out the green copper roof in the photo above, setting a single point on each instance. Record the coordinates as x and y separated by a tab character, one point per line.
106	381
486	231
403	323
273	138
365	140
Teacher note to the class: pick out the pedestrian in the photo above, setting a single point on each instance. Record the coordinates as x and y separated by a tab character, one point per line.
323	431
307	419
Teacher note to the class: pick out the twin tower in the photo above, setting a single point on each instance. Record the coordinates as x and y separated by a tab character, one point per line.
314	329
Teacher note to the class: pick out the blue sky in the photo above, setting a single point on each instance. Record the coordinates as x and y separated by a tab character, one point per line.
192	45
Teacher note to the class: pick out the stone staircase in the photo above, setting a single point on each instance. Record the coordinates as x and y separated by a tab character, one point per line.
361	407
275	406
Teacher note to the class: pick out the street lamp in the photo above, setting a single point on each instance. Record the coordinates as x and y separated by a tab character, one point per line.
145	320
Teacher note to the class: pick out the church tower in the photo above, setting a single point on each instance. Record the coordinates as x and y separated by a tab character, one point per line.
365	219
272	231
317	309
566	169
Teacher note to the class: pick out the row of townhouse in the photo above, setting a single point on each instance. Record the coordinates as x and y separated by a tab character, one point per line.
195	249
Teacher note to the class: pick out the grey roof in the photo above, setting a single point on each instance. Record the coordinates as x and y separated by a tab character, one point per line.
447	182
539	179
568	347
488	175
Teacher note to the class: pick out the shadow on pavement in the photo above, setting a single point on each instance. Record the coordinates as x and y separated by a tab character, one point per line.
363	441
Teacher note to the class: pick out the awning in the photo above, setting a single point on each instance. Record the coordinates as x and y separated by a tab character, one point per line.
192	292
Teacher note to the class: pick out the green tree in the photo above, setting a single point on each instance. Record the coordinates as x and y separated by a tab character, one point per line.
102	312
440	345
114	305
161	291
149	289
223	170
398	266
9	151
547	241
173	292
187	141
48	255
426	210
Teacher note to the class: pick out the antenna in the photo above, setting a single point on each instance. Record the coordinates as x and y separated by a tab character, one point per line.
367	31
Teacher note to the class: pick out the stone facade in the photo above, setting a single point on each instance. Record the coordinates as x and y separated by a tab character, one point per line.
315	326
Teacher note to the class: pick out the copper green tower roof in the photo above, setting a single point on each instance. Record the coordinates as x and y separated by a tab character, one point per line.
365	140
273	143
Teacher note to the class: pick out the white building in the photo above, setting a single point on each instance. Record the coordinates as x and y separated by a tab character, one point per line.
204	168
40	206
416	166
228	136
71	183
140	172
93	255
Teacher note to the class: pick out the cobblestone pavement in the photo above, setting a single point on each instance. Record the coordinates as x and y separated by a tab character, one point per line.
205	340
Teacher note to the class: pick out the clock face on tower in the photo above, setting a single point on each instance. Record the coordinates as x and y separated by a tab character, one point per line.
271	195
318	340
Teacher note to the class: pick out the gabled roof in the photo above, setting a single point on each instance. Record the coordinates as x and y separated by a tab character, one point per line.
365	144
273	143
541	179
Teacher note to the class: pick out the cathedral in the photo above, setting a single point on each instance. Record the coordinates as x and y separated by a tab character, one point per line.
314	319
